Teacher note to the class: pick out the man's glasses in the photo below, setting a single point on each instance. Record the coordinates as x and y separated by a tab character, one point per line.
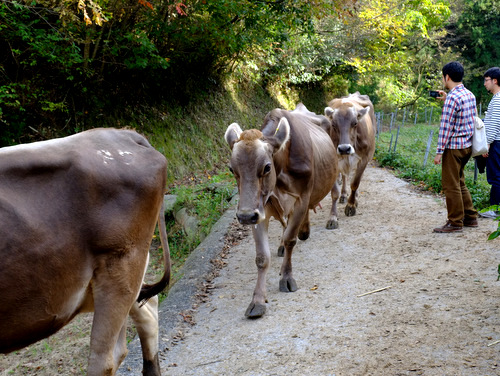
487	79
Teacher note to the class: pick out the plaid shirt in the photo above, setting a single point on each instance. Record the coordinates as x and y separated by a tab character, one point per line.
457	120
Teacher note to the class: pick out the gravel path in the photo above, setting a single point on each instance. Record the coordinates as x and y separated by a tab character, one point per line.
438	314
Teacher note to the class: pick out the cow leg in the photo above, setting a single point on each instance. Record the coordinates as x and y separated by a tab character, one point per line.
106	336
300	215
121	350
115	287
305	229
257	307
146	322
343	195
281	248
352	202
333	222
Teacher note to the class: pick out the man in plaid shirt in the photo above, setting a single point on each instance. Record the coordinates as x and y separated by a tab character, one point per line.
455	147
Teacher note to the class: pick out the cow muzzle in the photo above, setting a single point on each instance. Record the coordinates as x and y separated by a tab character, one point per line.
252	217
345	149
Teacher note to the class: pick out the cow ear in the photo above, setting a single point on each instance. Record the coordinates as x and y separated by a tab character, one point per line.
281	134
232	134
330	112
363	112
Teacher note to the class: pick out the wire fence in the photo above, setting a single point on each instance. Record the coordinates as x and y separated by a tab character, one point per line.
394	122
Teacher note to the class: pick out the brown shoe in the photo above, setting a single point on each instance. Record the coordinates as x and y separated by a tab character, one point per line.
470	222
448	227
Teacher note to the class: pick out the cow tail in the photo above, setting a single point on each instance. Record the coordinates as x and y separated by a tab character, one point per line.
148	291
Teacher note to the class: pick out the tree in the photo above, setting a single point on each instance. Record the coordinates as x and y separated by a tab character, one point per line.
66	59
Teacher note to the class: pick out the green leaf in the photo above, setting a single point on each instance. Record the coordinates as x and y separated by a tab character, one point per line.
494	235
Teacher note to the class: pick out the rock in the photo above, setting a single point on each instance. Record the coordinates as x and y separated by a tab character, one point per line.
169	203
188	223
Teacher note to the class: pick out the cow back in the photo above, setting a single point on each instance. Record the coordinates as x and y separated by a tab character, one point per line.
307	166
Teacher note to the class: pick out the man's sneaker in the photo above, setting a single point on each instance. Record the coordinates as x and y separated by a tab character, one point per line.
470	222
448	227
489	214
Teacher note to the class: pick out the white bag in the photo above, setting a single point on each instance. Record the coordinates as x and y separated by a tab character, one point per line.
479	144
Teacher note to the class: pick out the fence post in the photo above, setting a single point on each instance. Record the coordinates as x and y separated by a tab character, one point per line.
396	141
404	118
377	117
416	114
390	144
475	170
392	120
429	140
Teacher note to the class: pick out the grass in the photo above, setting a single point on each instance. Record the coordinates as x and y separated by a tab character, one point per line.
205	197
408	161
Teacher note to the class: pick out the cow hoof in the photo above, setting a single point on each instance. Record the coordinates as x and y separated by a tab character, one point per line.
151	367
281	251
332	225
288	285
255	310
350	210
342	199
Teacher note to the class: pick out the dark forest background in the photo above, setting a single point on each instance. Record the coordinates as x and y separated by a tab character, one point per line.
172	68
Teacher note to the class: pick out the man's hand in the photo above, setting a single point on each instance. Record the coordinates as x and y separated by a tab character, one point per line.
485	155
442	94
437	158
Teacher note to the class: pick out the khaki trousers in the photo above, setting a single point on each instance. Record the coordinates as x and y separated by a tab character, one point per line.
458	198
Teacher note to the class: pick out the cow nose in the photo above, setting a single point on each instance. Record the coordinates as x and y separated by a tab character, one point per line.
248	218
344	149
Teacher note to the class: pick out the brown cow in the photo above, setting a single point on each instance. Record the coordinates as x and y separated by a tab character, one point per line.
282	170
77	217
352	130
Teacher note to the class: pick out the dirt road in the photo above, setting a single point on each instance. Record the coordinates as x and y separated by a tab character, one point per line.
439	313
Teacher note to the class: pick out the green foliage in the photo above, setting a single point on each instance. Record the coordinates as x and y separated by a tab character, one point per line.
205	197
67	61
495	234
479	31
408	162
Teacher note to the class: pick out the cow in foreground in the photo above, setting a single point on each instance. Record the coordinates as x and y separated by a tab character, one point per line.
352	130
77	216
282	170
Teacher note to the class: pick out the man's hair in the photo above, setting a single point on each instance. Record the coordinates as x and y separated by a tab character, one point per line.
493	73
455	70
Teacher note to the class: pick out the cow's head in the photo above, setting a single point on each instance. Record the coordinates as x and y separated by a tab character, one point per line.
344	120
253	167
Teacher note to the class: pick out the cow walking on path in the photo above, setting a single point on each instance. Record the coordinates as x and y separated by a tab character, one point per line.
352	130
77	217
282	171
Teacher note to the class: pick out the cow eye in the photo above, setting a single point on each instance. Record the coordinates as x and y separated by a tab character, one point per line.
267	169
